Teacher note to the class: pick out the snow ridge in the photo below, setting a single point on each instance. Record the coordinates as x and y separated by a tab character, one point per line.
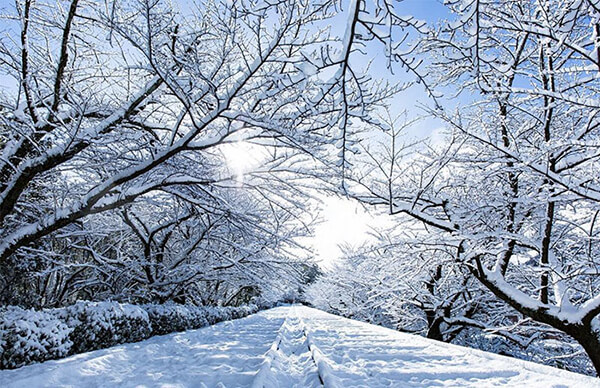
290	361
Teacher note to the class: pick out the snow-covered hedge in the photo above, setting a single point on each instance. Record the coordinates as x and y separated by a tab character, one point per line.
28	336
168	318
98	325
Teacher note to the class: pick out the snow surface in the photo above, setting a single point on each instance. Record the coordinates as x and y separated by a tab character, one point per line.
291	346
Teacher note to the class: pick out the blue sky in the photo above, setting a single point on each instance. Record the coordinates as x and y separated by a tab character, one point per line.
346	221
429	10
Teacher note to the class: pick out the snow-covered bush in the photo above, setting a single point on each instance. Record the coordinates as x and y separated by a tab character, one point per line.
169	318
237	312
218	314
28	336
242	311
99	325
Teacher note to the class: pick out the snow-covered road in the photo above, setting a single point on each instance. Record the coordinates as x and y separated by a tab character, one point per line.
290	347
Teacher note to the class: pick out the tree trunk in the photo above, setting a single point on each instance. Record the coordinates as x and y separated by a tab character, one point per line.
590	342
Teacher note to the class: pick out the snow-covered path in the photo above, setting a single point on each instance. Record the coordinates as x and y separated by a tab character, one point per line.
290	347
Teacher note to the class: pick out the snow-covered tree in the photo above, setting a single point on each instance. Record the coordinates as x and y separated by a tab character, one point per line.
514	190
117	106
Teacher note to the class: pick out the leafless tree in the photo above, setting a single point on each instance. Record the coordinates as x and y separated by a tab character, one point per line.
515	187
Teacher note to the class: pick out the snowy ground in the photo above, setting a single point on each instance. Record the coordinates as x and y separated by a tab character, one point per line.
290	347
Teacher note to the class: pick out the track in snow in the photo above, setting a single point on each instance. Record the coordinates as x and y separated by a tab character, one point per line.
291	346
289	362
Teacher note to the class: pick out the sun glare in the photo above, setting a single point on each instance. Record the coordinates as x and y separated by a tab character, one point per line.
344	222
241	157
